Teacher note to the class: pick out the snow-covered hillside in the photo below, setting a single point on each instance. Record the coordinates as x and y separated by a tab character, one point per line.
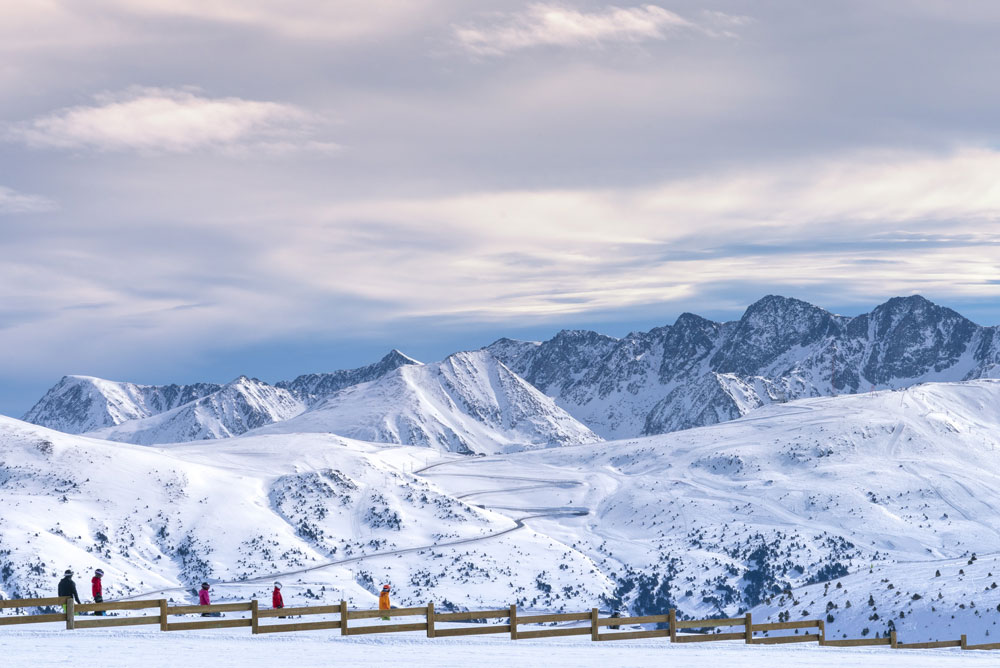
697	372
469	403
238	407
260	507
725	518
769	512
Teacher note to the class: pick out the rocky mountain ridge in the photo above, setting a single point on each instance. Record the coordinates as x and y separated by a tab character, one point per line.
697	372
693	373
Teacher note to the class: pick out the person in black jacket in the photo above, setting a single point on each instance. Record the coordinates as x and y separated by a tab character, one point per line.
68	588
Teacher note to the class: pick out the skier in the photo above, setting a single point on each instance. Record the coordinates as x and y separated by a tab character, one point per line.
203	598
383	601
276	601
68	588
96	590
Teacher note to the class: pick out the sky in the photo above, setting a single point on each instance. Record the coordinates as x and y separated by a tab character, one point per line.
196	189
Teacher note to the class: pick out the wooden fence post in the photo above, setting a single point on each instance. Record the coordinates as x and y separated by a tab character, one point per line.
163	614
673	625
430	620
749	628
965	644
822	631
892	640
593	623
70	614
343	618
254	619
513	621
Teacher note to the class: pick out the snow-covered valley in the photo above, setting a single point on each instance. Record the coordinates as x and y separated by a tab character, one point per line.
768	513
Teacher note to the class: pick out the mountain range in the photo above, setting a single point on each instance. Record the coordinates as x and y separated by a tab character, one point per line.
693	373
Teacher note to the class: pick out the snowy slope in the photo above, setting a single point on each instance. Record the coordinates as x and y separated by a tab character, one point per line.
724	518
235	648
238	407
258	507
760	512
468	403
78	404
697	372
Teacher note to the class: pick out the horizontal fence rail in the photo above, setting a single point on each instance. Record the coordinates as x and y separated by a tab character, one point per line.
520	627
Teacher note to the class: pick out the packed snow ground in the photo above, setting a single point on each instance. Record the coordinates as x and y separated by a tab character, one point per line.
222	649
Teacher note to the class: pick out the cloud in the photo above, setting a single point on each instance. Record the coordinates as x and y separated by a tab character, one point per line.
556	25
343	20
49	24
12	201
929	221
166	120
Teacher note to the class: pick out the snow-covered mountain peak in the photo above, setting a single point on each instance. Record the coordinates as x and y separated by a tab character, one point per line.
78	404
239	406
313	388
468	402
697	372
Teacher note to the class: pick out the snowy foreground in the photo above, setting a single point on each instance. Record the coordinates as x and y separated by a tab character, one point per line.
113	649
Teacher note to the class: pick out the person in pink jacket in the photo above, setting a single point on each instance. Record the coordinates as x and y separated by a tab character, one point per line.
203	598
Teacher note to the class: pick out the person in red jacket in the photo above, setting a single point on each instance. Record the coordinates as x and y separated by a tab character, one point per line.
96	589
276	601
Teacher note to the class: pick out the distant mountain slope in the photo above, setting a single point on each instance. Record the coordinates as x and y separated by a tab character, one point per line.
314	387
468	403
698	372
238	407
77	404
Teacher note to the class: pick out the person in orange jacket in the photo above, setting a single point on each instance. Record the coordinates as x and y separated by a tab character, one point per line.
383	600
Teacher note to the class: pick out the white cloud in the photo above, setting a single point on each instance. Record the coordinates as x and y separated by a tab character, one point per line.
871	224
52	24
342	20
12	201
556	25
163	120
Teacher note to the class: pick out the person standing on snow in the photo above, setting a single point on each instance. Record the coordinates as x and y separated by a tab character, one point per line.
203	598
383	601
67	588
276	601
96	590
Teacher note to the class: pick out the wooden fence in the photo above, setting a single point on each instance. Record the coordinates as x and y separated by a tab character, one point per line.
519	627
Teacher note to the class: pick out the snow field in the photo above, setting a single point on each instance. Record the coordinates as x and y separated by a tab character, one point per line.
315	649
